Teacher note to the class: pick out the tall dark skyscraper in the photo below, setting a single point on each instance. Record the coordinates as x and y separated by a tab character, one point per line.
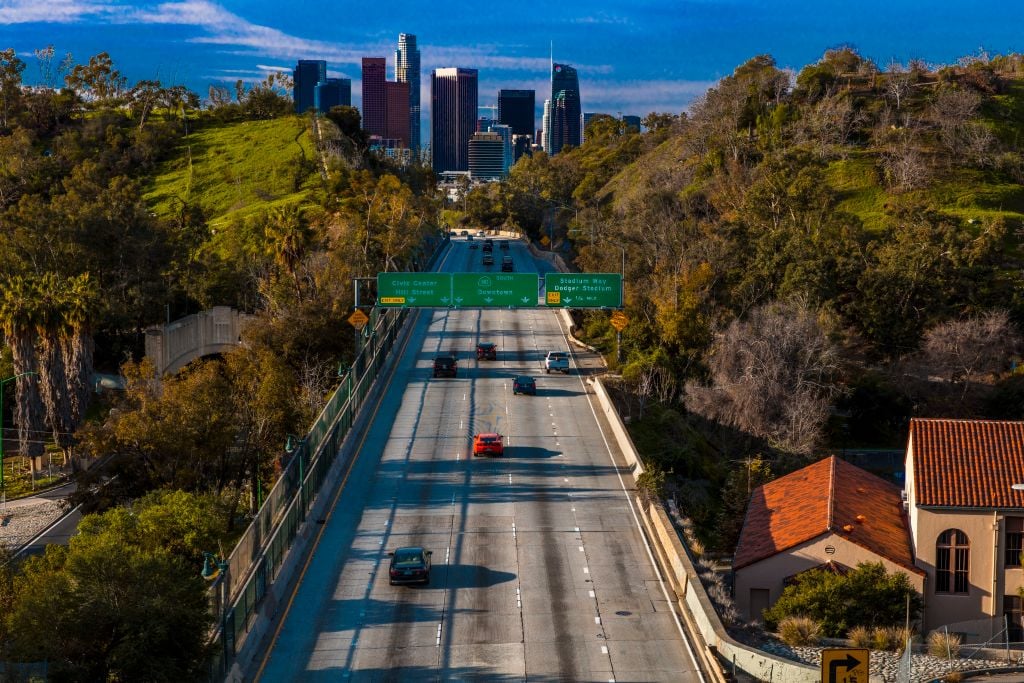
453	113
407	70
397	112
308	72
565	108
375	117
516	108
333	92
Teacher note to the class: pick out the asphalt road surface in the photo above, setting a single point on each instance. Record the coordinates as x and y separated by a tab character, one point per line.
540	572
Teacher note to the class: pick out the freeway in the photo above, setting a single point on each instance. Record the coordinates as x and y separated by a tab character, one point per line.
540	571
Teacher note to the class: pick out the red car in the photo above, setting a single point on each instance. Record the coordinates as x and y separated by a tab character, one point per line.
488	444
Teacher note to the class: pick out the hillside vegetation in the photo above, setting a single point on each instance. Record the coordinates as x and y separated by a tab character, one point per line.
809	261
236	169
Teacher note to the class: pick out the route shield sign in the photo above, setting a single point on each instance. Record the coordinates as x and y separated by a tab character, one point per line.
844	665
583	290
414	289
518	290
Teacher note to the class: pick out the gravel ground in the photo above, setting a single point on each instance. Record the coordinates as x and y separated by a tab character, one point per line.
886	664
18	524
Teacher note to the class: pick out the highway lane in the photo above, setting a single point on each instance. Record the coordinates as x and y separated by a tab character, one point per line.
540	571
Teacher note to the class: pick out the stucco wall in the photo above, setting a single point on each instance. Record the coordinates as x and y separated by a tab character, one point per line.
771	572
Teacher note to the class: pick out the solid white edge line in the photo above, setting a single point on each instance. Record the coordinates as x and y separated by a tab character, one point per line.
632	509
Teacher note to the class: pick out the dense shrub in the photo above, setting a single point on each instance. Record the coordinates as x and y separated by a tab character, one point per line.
866	596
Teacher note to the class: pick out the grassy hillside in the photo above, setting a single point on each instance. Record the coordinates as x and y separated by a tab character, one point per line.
234	169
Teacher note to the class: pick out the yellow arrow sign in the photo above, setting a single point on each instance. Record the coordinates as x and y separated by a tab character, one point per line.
844	665
358	319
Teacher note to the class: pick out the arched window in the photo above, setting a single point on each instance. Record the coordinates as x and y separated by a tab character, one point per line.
952	559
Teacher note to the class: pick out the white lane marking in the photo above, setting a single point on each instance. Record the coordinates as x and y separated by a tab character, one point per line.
574	509
519	599
586	570
460	424
597	620
447	554
464	396
510	478
592	594
458	456
380	542
576	529
564	479
552	414
553	424
604	649
439	635
581	549
506	410
643	537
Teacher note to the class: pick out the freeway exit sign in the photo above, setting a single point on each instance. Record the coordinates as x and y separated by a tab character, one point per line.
583	290
517	290
397	290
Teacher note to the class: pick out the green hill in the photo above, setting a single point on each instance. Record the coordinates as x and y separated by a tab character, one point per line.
235	169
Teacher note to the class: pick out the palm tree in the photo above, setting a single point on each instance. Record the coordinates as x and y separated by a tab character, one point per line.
19	316
52	329
289	237
80	307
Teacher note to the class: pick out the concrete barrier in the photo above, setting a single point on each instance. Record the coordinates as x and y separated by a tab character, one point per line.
698	612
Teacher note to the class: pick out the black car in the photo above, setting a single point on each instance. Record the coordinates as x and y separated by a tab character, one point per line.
486	351
503	244
488	245
446	366
410	565
507	265
488	259
524	385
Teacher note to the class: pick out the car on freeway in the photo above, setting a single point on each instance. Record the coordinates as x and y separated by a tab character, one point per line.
503	244
507	265
557	361
488	443
487	351
488	259
524	385
474	245
488	245
410	565
446	366
480	233
465	233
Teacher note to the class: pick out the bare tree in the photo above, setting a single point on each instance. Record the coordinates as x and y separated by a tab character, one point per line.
905	167
951	112
898	82
963	351
771	376
830	123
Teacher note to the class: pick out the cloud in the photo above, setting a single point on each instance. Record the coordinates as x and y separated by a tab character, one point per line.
281	69
53	11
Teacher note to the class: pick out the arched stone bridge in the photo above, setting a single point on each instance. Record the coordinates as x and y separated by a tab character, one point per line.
173	346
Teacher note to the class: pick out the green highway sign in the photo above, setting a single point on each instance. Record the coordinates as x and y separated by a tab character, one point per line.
398	290
583	290
494	289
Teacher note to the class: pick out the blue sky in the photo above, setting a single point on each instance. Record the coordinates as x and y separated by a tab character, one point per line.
633	56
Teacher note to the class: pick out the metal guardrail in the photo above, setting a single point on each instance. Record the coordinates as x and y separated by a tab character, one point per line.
256	560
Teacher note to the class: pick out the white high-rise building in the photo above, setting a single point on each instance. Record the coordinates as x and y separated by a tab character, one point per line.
407	70
545	127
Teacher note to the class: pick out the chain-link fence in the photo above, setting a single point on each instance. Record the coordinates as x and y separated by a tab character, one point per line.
257	558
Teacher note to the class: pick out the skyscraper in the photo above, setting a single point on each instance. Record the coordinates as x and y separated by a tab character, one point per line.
333	92
453	112
397	112
545	128
587	117
565	108
632	122
407	70
506	141
308	72
516	109
375	96
486	156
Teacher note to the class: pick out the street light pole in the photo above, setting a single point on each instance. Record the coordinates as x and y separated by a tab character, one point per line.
2	383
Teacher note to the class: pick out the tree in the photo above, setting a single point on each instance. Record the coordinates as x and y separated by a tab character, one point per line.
52	330
20	315
107	608
748	474
98	79
898	82
866	596
963	350
771	376
11	68
82	305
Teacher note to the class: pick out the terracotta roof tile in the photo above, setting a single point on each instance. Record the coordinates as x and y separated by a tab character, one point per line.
967	463
831	495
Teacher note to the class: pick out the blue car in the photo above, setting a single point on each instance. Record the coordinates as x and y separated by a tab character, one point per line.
524	385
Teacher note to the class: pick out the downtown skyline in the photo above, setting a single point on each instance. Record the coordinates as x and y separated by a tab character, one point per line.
631	57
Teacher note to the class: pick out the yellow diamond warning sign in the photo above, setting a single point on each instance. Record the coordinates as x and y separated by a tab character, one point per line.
619	320
358	319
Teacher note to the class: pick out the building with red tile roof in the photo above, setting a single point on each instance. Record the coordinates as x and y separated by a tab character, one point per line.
967	522
830	512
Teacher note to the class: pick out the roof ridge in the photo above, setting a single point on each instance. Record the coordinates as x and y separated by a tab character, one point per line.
831	493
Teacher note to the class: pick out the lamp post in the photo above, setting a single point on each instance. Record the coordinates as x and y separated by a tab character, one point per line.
2	383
